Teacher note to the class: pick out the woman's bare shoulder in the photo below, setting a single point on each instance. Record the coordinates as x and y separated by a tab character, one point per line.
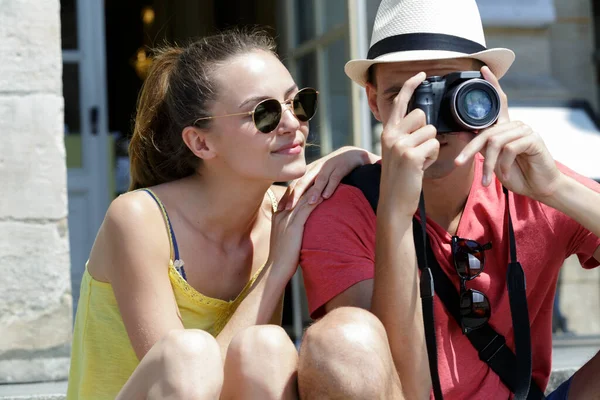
134	224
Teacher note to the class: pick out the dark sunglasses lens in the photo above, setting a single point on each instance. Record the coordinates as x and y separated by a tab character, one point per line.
468	258
305	104
475	309
267	115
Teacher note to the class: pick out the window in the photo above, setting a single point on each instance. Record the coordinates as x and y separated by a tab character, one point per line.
317	49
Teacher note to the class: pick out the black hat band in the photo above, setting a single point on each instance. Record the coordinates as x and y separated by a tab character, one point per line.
423	41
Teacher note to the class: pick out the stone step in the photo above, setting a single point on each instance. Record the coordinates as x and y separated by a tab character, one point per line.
567	356
34	391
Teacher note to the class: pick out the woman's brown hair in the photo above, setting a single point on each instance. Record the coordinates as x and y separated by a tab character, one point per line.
179	89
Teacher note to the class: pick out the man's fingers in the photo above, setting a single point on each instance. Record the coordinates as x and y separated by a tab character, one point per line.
510	152
401	101
407	127
480	141
491	78
429	150
495	146
420	136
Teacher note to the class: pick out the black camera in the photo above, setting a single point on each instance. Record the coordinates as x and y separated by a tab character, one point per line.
457	102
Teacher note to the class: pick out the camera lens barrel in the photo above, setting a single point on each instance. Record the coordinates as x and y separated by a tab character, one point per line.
475	104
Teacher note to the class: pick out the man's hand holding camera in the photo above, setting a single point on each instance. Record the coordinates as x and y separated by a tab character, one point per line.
516	154
408	148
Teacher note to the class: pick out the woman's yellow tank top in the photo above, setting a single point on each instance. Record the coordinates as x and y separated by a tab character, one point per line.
102	358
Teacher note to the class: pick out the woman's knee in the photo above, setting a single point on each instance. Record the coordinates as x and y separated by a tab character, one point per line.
188	357
261	363
189	344
261	343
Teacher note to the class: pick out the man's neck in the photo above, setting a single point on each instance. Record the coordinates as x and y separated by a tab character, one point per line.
445	198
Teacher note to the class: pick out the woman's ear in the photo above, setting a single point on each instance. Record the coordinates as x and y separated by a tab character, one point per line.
197	140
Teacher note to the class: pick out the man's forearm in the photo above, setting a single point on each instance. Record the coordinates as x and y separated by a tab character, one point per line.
396	301
578	202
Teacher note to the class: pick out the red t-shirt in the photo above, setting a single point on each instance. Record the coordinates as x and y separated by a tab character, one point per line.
338	251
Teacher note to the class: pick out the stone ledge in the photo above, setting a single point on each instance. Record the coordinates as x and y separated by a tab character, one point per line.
36	397
559	376
569	354
34	391
57	390
34	370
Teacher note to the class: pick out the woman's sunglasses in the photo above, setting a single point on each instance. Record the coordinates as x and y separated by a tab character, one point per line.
469	259
267	114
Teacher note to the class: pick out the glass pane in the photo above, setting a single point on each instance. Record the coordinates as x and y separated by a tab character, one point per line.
68	24
305	20
372	6
338	94
336	13
307	76
72	115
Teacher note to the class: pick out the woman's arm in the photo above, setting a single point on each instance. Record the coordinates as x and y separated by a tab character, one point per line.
258	308
262	302
132	253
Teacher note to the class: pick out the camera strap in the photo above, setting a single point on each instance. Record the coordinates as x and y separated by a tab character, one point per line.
517	295
427	289
490	345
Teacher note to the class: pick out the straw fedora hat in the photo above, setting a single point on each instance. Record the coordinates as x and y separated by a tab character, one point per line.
419	30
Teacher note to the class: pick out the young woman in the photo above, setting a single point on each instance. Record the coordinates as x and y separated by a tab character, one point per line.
189	268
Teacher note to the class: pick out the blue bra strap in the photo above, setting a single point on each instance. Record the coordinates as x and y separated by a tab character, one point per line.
172	233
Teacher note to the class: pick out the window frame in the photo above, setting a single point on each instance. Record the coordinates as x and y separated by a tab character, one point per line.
354	32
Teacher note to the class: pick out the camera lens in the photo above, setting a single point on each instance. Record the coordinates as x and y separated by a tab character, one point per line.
477	104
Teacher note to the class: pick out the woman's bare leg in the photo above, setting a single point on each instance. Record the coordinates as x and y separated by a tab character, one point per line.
185	364
261	363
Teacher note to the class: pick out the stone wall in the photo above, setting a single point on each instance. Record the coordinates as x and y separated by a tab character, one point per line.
572	49
35	291
554	61
580	298
530	78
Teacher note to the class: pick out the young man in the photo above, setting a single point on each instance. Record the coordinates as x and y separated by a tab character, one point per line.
351	256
